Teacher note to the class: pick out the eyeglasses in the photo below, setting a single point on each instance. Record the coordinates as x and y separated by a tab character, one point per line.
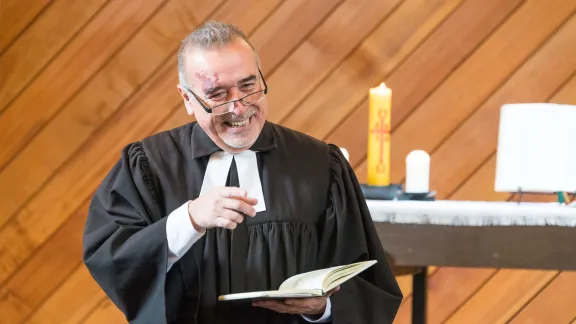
227	107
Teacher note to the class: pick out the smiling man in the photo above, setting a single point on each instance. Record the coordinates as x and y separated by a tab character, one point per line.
232	203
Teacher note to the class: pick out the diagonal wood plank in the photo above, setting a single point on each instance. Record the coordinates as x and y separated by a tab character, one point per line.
12	307
77	178
64	305
480	75
555	304
178	117
41	42
498	299
55	259
320	53
443	289
106	32
286	27
15	17
378	55
97	100
442	52
535	81
406	284
105	312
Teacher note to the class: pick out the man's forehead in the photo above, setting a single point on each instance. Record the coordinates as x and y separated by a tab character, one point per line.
205	71
220	59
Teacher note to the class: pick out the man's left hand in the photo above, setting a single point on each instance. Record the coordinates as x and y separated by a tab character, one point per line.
300	306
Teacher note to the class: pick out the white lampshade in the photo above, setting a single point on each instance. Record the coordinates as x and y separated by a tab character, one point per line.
535	148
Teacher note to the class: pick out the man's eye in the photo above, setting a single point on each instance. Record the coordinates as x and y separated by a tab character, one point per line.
218	96
247	86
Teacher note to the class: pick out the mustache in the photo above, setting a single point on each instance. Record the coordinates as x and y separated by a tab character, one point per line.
230	117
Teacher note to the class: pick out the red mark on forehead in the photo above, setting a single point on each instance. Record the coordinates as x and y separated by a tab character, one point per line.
207	81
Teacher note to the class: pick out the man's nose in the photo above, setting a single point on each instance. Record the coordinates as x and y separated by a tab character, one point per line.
239	108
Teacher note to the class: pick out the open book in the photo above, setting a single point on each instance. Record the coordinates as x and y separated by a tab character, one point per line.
309	284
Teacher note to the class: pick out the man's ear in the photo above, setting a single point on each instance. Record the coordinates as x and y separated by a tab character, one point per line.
186	98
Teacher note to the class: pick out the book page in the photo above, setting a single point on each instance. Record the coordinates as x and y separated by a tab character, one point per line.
336	278
308	280
273	294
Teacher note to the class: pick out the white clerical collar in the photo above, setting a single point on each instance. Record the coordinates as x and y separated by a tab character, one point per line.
248	175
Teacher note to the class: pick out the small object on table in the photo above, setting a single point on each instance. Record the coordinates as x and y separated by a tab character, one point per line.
417	172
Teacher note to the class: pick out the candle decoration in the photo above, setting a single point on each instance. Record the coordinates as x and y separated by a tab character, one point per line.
417	172
380	105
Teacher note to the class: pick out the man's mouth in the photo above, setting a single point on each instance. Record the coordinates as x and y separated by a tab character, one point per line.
237	124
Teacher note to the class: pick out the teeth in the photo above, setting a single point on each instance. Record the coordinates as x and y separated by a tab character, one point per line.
240	124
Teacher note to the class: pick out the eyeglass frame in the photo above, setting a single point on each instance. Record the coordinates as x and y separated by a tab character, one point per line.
209	110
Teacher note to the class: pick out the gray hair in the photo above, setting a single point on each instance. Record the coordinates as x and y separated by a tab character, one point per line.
209	35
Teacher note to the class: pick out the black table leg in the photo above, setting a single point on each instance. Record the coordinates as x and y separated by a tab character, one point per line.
419	294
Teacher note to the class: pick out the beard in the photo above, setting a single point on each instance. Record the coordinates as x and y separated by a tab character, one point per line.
244	138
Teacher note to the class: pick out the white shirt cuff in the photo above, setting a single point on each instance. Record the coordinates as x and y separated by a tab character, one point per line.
325	318
180	234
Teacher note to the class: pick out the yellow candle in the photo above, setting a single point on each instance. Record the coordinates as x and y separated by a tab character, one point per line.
379	135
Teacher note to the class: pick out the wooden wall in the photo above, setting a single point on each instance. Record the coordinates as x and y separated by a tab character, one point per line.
80	79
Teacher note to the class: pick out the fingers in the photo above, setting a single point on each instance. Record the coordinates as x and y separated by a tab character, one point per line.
239	205
232	215
229	192
278	306
306	306
225	223
314	302
248	200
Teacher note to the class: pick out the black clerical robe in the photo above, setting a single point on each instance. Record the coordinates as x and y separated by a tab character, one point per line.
315	217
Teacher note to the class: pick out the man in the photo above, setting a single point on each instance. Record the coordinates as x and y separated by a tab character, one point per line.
232	203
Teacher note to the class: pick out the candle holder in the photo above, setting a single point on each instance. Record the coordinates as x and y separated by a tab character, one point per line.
394	192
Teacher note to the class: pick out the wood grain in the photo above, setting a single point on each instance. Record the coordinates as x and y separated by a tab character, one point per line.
443	289
56	259
15	17
554	304
95	102
378	55
105	312
41	42
287	27
423	71
499	298
322	51
79	82
65	304
106	32
535	81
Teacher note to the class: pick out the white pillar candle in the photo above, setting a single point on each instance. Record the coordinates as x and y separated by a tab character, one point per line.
417	172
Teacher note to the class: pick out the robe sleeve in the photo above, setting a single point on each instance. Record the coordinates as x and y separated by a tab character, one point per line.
125	241
348	235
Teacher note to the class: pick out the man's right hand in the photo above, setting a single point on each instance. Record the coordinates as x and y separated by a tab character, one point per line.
222	207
